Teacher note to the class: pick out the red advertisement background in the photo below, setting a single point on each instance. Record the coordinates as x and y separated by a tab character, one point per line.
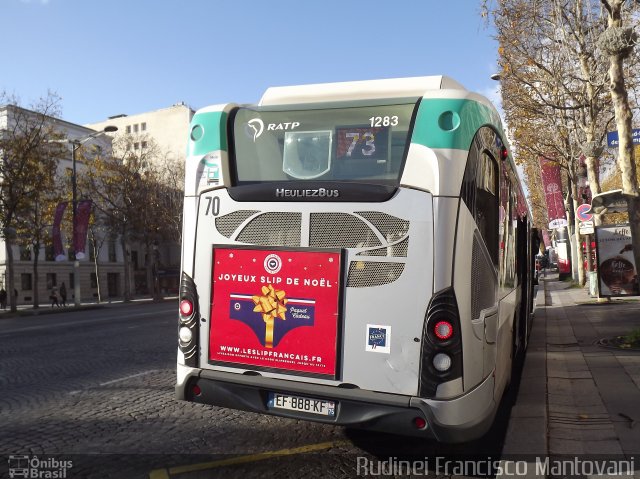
552	184
58	249
304	278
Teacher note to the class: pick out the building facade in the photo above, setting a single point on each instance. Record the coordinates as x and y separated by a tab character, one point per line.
101	273
168	128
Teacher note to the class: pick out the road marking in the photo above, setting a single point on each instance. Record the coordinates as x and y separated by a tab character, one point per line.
203	466
130	376
116	380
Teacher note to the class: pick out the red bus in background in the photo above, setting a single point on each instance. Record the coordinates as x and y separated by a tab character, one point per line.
564	259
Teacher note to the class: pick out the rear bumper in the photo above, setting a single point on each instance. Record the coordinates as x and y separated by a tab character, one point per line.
447	421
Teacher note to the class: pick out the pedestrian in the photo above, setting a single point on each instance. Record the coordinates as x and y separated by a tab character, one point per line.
63	294
3	298
54	297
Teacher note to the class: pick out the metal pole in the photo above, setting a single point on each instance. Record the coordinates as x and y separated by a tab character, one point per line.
76	263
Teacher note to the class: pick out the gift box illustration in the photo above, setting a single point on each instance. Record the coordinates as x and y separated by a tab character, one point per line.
270	314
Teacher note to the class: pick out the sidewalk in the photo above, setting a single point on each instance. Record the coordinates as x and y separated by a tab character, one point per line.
576	397
45	308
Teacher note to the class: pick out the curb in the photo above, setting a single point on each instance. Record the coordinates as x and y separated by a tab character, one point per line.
46	310
527	434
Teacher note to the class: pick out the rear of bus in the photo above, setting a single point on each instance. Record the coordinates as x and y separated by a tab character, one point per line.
318	259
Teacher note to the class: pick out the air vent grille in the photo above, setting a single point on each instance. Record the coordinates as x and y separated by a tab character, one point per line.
340	230
400	250
273	229
365	274
483	280
328	230
228	224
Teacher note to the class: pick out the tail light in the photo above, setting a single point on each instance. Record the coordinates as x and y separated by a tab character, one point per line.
442	362
441	355
189	318
186	308
419	422
443	330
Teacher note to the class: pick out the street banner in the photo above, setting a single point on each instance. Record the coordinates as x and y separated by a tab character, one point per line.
58	248
617	274
552	184
277	310
545	238
83	212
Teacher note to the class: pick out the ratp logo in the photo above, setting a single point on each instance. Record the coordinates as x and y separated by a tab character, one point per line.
255	126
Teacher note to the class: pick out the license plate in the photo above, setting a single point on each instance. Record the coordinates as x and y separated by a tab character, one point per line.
296	403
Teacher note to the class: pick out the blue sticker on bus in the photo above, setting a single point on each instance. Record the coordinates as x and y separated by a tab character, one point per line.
378	338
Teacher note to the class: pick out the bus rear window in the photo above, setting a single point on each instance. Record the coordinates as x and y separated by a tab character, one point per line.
355	143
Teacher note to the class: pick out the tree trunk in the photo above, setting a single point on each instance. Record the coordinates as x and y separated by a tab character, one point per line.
578	242
148	266
576	250
11	288
127	267
623	114
593	175
36	257
96	269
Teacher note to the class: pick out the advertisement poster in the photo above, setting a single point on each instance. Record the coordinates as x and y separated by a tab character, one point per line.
617	274
275	309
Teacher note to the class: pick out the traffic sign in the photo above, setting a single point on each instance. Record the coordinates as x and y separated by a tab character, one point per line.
582	212
613	140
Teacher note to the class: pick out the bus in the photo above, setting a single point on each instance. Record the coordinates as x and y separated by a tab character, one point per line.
356	254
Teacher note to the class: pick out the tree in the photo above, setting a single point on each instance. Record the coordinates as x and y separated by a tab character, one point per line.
24	167
617	43
110	181
554	86
34	224
134	194
160	182
171	180
98	233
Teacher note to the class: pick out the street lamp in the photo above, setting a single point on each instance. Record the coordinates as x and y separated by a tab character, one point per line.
75	146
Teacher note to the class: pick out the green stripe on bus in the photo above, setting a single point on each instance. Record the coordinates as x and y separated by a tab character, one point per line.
208	132
451	123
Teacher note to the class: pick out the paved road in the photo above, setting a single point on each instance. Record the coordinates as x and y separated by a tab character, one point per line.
96	388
